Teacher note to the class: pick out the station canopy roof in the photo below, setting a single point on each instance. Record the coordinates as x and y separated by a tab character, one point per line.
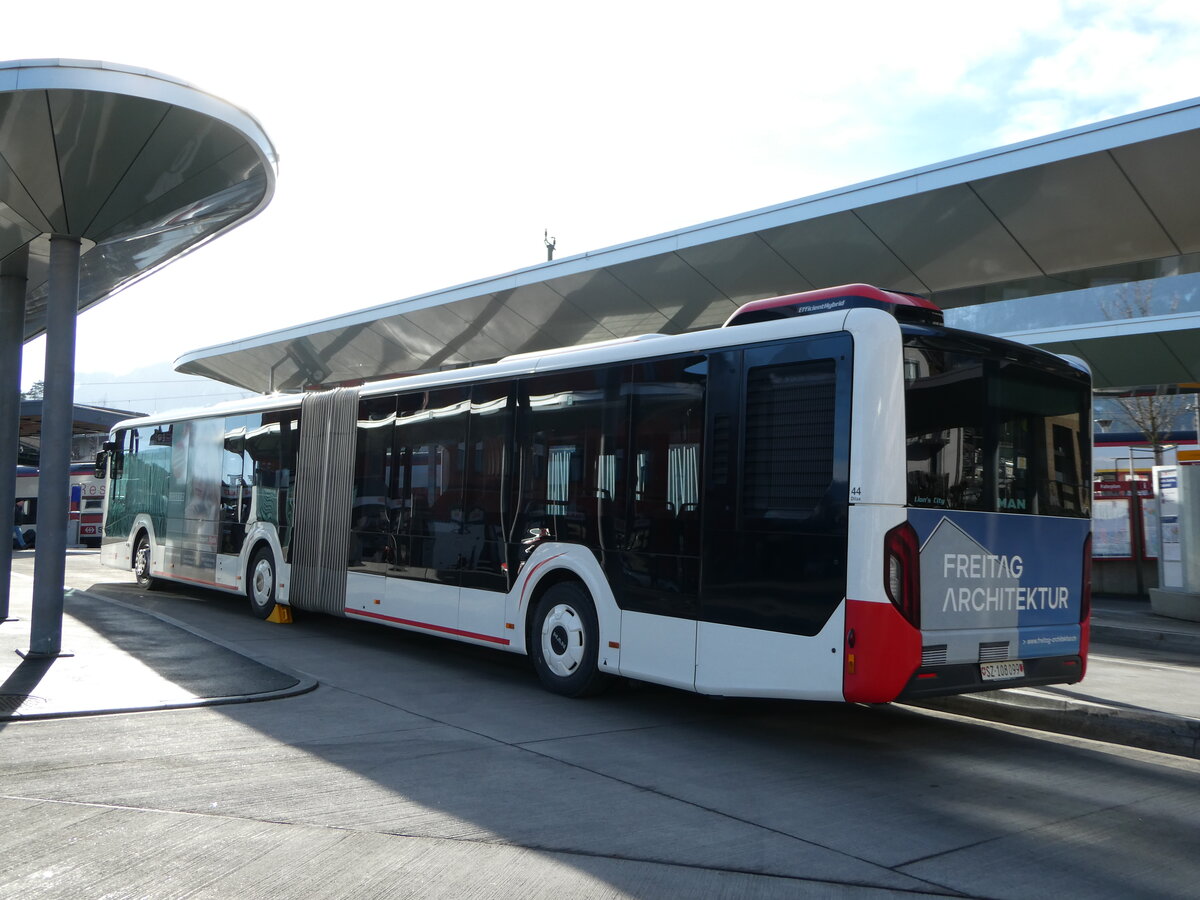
140	166
1120	191
85	419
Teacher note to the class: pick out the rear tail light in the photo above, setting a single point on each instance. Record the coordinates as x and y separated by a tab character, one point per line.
902	571
1085	602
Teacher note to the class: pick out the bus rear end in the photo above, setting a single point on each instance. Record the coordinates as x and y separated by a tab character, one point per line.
992	562
87	503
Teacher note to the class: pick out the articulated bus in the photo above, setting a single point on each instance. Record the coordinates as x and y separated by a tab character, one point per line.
832	497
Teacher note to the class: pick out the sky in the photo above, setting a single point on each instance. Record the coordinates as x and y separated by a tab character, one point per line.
425	145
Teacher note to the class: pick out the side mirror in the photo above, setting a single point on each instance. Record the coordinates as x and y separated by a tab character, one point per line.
101	464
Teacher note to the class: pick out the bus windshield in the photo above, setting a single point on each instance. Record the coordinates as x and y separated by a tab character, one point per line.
994	428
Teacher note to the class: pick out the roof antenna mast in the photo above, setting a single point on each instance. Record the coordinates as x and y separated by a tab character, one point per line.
551	243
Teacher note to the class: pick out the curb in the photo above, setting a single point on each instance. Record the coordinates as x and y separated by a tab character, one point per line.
303	683
1147	638
1036	709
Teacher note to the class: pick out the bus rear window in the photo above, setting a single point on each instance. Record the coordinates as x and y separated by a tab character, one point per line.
992	430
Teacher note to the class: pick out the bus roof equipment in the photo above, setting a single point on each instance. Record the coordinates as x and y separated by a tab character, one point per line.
904	306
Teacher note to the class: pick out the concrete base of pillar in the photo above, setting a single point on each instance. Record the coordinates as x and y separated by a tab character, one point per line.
1175	604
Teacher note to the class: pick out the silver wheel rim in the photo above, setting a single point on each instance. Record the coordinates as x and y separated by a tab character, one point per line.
262	582
563	640
141	561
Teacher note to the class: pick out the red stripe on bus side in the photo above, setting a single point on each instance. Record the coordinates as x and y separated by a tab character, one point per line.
529	578
439	628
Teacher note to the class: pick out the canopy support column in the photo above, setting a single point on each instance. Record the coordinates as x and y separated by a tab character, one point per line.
49	567
12	329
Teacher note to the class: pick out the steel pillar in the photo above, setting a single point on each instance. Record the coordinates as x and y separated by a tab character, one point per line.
12	331
58	400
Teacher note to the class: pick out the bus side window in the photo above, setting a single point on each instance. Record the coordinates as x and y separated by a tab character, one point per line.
667	430
235	495
790	460
659	569
430	445
117	467
568	449
486	503
372	540
269	449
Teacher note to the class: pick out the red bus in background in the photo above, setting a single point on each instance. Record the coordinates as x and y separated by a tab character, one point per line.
87	503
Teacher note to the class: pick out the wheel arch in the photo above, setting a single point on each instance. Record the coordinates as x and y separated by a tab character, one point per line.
258	536
142	525
250	550
264	602
555	564
141	531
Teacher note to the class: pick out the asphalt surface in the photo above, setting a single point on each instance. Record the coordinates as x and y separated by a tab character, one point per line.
421	768
1142	688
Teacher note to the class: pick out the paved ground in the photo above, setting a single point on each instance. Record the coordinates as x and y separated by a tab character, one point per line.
423	768
1142	686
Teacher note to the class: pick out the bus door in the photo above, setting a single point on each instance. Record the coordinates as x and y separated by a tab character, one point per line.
775	517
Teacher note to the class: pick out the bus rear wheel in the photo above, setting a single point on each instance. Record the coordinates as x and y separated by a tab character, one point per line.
565	642
260	584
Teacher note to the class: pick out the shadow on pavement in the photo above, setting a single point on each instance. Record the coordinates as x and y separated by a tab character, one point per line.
123	659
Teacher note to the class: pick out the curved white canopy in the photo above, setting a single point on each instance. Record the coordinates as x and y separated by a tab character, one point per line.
1026	216
141	166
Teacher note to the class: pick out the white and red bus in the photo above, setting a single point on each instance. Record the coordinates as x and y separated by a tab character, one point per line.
86	503
832	497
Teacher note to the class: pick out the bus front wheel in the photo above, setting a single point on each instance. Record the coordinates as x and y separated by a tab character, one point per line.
141	564
261	583
565	642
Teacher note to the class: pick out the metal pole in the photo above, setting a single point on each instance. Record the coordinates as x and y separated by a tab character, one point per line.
1136	536
12	332
49	565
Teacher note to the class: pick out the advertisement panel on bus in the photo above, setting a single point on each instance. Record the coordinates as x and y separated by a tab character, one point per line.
1017	578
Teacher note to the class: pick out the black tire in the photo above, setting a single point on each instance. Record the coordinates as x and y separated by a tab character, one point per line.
141	564
564	642
261	581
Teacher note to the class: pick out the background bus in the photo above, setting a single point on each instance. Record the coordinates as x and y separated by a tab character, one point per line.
86	510
833	497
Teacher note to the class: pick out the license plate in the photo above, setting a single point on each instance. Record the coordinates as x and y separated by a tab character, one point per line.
1002	671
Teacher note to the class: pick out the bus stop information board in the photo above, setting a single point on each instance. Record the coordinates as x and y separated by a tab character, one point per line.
1115	511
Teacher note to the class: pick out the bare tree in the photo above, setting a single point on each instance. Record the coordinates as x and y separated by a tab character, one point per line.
1153	410
1154	414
